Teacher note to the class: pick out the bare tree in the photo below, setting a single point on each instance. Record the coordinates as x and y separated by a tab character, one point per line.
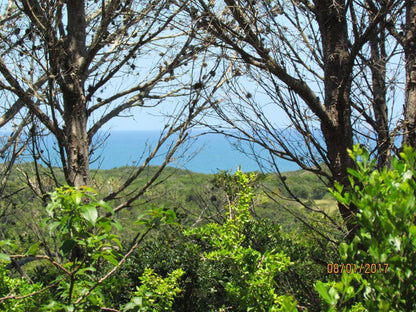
73	66
409	44
333	68
67	68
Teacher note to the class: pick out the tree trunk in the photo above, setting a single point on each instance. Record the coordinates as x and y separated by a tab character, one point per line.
76	137
378	75
338	134
77	146
410	56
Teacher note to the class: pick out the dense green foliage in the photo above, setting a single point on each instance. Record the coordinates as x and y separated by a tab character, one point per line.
227	263
383	253
230	259
86	245
193	196
251	273
84	241
155	293
16	293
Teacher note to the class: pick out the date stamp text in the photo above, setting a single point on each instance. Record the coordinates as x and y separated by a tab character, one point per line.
363	268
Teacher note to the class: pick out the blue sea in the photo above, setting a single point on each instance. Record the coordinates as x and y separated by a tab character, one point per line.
208	153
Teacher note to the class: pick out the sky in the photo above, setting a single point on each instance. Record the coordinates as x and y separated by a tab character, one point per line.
141	119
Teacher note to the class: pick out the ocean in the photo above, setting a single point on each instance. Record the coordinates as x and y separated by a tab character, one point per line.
209	153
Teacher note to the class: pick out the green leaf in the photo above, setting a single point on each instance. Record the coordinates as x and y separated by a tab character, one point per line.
135	302
87	189
333	295
110	258
7	243
412	232
106	206
288	304
4	257
89	213
105	224
117	241
323	292
52	227
87	270
396	242
117	225
407	175
138	301
77	197
33	250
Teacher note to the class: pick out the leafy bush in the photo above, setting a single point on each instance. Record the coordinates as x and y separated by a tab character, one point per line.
16	293
240	263
383	253
85	241
155	293
87	247
204	284
250	277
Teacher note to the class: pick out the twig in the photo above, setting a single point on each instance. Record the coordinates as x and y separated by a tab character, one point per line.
120	263
15	297
45	257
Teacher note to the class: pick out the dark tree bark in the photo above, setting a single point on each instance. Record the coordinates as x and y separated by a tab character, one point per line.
338	134
75	116
410	58
378	73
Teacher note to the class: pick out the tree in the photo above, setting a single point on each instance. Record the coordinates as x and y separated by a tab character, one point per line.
331	67
409	44
69	67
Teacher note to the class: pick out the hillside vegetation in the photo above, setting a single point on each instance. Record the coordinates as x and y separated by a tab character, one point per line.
194	197
212	243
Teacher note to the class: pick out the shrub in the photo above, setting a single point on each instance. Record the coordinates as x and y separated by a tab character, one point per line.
16	293
383	253
250	276
155	293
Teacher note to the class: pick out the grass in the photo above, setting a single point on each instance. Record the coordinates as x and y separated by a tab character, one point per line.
327	205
